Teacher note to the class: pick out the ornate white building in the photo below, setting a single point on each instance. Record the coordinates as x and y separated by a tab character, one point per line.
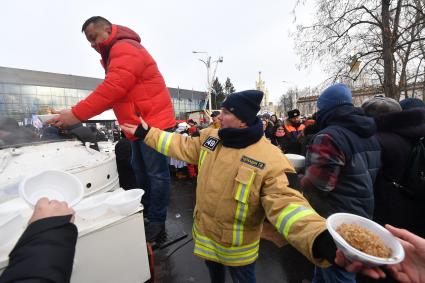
260	84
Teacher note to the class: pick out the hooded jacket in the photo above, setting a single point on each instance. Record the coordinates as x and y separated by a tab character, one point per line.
353	134
133	84
397	132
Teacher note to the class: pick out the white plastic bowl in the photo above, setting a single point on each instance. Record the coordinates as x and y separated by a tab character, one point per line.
92	207
46	117
335	220
298	161
125	202
11	227
52	184
15	205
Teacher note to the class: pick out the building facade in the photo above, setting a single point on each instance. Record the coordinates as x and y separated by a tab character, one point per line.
26	92
307	104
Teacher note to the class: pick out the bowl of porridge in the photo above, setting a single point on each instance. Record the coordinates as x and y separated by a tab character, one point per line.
361	239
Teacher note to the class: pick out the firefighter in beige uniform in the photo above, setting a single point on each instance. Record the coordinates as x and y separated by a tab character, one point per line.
241	181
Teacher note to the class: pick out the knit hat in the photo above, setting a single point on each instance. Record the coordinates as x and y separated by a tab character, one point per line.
244	105
334	95
410	103
266	116
379	105
293	113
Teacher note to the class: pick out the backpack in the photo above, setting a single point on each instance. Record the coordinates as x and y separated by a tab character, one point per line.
413	182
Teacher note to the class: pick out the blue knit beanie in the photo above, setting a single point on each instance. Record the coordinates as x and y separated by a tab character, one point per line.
334	95
245	105
410	103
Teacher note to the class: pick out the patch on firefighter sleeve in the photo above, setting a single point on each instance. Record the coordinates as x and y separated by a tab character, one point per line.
252	162
211	143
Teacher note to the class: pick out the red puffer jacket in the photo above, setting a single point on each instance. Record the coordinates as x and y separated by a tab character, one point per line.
133	84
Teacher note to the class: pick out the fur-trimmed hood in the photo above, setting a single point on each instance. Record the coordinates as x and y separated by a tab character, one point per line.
409	123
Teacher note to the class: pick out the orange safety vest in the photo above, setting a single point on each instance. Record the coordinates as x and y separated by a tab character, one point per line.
291	128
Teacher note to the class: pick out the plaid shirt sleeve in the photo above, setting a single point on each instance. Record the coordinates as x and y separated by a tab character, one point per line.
324	161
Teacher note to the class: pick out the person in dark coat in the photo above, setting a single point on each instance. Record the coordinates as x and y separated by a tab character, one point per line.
397	132
310	130
45	251
268	130
294	129
342	163
281	138
126	175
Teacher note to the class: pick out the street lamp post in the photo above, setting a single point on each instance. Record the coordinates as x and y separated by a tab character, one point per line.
210	78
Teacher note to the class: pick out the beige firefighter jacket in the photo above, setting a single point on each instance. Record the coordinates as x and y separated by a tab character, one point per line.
236	190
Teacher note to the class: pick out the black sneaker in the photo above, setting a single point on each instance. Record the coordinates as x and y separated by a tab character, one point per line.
154	231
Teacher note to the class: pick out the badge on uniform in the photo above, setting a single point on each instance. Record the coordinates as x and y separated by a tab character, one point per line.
252	162
211	143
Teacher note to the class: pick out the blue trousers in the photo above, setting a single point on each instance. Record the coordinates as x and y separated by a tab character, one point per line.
152	175
239	274
332	275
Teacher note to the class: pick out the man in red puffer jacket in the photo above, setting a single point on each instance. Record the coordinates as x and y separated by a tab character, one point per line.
133	87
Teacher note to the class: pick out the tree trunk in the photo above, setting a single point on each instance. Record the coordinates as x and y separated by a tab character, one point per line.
423	89
388	55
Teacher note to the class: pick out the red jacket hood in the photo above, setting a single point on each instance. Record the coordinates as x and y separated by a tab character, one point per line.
117	33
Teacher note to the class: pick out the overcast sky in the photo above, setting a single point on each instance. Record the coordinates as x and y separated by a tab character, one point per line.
252	36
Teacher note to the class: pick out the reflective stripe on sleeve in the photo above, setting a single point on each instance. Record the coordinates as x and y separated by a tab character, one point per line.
164	142
289	215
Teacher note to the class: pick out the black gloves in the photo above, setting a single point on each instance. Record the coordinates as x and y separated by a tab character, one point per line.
324	247
141	132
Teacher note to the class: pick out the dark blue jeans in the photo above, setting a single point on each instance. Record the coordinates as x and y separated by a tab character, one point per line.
239	274
332	275
152	175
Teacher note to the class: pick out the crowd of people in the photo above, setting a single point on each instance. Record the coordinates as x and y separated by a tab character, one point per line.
13	134
356	160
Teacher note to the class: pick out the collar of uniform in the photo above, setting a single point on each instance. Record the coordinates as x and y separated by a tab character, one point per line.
241	138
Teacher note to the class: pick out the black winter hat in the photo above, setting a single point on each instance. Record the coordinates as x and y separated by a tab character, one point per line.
409	103
244	104
293	113
266	116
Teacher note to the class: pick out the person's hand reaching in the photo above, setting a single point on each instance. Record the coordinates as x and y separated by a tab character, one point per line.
412	268
45	208
139	131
